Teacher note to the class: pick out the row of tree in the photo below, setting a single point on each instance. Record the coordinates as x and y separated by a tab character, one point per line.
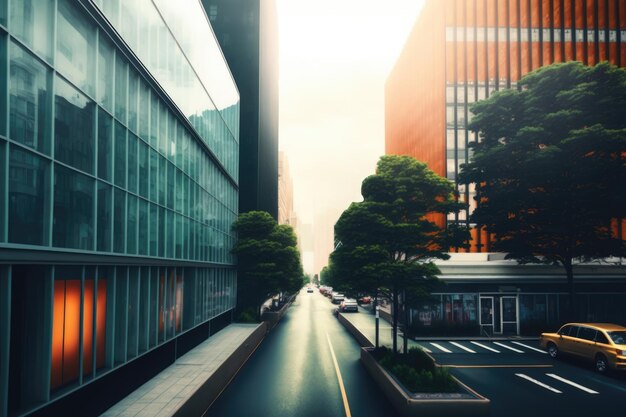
550	175
268	261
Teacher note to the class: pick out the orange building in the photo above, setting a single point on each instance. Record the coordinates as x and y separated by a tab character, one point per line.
461	51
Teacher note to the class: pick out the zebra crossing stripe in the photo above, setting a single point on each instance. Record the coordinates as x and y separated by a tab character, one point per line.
462	347
530	347
424	349
541	384
485	347
508	347
572	383
438	346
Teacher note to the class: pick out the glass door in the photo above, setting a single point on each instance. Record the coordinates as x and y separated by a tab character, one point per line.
486	315
508	315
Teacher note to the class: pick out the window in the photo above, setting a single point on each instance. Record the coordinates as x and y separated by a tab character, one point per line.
119	220
76	47
587	333
601	338
73	209
105	74
73	127
29	112
105	217
27	196
31	22
564	331
120	155
121	81
105	145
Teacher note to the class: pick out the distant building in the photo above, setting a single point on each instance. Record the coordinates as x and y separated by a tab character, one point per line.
286	214
324	236
460	52
119	159
247	31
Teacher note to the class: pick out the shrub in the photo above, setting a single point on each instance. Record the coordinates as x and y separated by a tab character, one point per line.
416	371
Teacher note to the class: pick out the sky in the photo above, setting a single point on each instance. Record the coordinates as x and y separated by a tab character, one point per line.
335	56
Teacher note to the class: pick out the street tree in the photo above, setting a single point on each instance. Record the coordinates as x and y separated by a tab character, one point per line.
268	260
549	166
388	241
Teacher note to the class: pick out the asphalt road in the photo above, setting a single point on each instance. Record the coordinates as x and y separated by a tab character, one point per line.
293	372
527	382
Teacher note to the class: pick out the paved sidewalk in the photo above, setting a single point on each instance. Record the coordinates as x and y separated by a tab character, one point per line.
167	392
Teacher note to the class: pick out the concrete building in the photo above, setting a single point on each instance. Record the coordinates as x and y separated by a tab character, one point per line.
247	31
461	51
119	150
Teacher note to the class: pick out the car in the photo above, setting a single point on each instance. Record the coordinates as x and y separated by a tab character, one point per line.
349	305
309	289
365	299
337	298
602	343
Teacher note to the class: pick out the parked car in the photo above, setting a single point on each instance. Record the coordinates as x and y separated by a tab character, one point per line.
337	298
349	305
309	289
602	343
365	299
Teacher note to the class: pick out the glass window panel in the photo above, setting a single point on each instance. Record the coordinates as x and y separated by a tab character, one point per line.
3	12
105	217
31	22
120	155
27	195
161	232
73	127
29	112
119	220
73	221
154	117
170	234
76	46
121	81
132	162
144	172
105	145
121	314
144	308
162	179
143	227
154	219
144	111
133	94
133	312
171	181
131	230
105	73
154	171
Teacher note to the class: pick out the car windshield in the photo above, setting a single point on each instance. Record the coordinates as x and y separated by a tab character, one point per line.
619	338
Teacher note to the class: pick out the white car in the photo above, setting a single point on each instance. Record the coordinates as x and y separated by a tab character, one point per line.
337	298
349	305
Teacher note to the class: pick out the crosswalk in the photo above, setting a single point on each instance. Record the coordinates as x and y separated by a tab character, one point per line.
561	382
475	347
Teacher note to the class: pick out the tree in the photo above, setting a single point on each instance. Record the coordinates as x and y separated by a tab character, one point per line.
388	243
550	167
268	259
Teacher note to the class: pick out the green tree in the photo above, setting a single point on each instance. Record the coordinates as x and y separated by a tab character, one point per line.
387	242
550	166
268	260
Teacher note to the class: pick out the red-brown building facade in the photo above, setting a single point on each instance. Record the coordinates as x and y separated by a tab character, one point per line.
461	51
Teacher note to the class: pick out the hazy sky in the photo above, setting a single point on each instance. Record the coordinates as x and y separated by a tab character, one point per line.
335	56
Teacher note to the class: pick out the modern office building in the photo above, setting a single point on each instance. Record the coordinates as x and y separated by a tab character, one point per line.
461	51
119	129
247	31
286	214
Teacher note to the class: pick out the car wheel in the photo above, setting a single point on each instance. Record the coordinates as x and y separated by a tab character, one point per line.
602	365
553	351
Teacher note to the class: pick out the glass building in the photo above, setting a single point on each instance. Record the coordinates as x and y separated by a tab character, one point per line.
119	161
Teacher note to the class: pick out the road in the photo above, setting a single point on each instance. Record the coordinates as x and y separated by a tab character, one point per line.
293	372
518	377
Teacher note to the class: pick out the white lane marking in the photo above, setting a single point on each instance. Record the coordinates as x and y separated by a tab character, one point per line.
346	406
485	347
572	383
530	347
440	347
541	384
462	347
508	347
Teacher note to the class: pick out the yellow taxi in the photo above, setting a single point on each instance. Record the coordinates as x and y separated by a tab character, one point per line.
602	343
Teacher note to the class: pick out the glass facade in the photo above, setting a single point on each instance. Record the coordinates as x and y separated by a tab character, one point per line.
109	158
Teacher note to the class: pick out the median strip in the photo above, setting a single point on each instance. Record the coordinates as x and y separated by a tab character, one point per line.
346	406
541	384
572	383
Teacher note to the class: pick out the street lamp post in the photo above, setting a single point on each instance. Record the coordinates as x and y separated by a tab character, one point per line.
377	316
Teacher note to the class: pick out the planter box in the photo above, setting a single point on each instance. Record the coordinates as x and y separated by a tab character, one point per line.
467	403
273	317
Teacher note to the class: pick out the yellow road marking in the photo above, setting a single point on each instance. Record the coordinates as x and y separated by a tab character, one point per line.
496	366
346	406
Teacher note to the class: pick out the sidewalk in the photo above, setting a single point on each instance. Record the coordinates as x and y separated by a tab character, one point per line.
190	384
